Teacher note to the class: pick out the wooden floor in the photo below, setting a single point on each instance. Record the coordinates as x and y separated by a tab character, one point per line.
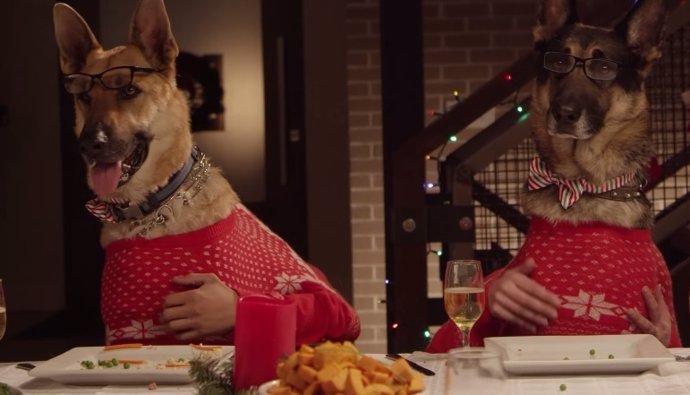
36	336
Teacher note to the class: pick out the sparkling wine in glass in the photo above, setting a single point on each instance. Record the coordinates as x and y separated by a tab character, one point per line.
3	311
463	295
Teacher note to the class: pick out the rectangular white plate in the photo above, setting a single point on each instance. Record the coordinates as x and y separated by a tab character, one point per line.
571	354
67	368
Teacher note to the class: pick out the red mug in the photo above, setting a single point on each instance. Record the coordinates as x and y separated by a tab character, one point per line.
265	333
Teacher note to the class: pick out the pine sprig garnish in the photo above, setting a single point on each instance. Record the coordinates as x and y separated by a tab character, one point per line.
5	389
213	376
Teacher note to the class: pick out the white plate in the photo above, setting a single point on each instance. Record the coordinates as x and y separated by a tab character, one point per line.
67	368
571	354
263	388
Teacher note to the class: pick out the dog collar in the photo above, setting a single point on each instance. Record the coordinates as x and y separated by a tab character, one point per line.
114	211
570	191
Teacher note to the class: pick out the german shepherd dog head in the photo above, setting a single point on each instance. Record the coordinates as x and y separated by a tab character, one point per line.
589	114
133	127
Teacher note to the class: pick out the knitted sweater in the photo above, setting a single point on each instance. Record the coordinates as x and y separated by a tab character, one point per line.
597	270
243	253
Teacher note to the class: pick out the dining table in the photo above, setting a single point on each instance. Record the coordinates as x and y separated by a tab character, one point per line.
669	378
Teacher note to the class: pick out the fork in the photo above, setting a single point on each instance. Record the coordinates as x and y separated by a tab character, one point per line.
25	366
413	365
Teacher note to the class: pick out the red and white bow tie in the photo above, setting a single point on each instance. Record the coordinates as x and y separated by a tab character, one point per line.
103	210
569	191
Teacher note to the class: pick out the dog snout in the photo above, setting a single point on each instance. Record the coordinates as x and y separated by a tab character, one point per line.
566	114
94	142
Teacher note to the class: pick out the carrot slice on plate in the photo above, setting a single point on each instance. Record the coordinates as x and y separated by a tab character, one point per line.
132	361
203	347
121	346
176	364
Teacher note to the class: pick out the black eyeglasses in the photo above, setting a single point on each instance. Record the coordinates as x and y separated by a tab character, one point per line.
595	68
115	78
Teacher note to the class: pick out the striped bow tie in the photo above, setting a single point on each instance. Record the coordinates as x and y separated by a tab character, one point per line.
569	191
103	210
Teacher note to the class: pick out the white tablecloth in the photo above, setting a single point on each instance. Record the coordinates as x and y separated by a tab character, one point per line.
672	378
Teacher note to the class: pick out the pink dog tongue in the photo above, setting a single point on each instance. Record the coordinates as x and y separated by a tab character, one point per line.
105	177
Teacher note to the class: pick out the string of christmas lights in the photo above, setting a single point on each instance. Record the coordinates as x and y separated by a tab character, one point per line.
430	250
519	108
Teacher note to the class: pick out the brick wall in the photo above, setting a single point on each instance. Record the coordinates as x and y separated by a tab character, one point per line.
366	171
466	42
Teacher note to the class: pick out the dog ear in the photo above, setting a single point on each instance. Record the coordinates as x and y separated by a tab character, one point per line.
553	16
74	38
150	31
643	28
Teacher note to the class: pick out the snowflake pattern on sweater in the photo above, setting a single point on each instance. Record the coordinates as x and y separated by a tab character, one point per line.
245	254
597	270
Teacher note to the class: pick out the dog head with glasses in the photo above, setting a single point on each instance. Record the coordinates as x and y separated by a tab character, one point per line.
131	120
587	73
589	114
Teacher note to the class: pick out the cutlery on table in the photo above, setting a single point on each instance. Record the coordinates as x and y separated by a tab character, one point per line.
25	366
413	364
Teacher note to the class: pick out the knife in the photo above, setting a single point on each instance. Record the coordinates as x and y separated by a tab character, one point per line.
414	365
25	366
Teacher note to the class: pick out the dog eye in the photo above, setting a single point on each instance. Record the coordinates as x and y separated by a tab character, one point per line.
128	92
602	69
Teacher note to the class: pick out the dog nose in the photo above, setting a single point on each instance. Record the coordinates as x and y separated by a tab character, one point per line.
93	144
566	114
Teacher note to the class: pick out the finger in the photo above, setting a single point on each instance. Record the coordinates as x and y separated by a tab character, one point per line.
649	298
643	324
173	313
548	302
527	266
510	293
177	299
651	303
660	299
189	335
531	286
506	315
530	294
197	279
656	305
182	325
663	320
522	309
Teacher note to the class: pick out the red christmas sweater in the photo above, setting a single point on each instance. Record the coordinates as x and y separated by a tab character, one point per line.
598	272
243	253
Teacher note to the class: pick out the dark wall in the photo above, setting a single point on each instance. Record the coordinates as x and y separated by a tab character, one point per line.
30	170
327	145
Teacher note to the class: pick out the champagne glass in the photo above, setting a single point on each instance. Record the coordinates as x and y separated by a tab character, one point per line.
3	312
463	295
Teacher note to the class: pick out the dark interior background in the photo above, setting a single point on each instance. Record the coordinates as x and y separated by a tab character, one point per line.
52	259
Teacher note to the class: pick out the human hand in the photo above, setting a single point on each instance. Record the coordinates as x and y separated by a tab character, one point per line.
515	298
659	321
206	310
